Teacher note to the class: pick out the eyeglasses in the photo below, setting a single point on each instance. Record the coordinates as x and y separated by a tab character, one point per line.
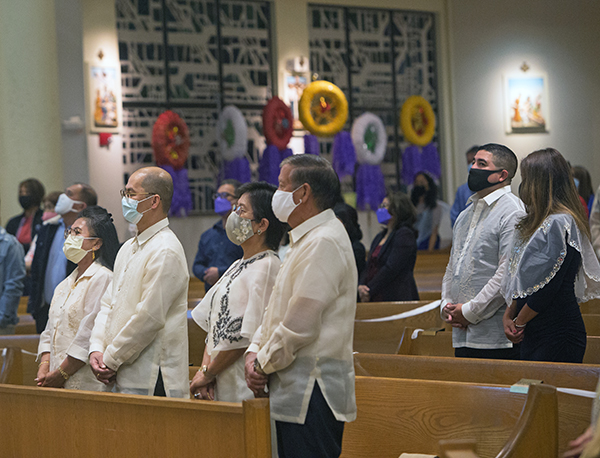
239	210
76	232
129	194
223	195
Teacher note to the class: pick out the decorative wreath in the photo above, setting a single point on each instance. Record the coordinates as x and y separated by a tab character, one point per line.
170	140
323	108
277	123
232	132
369	138
417	120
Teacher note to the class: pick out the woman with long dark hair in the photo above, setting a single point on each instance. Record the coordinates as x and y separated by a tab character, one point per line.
91	243
552	264
429	213
393	253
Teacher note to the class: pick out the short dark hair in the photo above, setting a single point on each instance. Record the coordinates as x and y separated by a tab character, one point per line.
35	189
233	182
101	225
349	218
431	194
318	174
260	195
87	194
52	197
160	184
402	210
472	150
504	158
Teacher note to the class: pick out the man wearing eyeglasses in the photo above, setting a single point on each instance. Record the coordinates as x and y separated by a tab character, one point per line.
50	266
215	251
139	342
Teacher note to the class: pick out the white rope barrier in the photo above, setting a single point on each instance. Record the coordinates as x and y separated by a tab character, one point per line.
418	311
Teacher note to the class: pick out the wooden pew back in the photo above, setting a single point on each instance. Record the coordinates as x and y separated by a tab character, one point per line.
11	361
592	324
411	416
590	307
426	343
29	343
100	425
573	412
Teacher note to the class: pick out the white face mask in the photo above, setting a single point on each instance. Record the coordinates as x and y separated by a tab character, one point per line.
65	204
238	229
72	248
283	204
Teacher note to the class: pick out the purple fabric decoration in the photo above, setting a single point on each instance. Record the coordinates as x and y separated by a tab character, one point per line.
370	187
415	161
268	167
181	204
344	154
311	145
238	169
286	153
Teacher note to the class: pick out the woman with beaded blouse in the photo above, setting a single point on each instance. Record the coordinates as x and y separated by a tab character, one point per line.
552	264
92	244
232	310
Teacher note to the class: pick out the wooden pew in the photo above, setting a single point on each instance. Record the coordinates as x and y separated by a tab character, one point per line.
411	416
196	288
22	310
430	295
100	425
592	324
26	325
385	337
592	350
196	342
28	343
574	412
590	307
12	367
429	270
426	343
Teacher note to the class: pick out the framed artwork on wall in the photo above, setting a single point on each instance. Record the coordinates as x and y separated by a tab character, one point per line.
103	98
526	103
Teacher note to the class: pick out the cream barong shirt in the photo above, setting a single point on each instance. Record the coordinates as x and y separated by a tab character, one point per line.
308	326
482	239
142	324
74	307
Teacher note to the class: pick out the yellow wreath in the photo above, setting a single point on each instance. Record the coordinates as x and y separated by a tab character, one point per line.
417	121
323	108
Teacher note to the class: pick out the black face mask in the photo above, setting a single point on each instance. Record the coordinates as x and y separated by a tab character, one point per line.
26	202
418	191
478	179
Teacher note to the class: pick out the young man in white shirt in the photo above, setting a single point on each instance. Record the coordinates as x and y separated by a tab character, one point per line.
305	341
482	238
139	341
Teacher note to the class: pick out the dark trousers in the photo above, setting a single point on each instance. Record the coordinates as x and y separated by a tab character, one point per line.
159	388
489	353
41	318
319	436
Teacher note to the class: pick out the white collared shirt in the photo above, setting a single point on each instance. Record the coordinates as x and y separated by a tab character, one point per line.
142	324
74	307
308	326
482	237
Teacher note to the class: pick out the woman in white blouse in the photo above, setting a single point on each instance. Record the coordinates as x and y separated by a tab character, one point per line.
232	310
91	243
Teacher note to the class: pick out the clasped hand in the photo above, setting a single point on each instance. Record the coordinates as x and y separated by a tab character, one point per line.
102	372
453	315
255	381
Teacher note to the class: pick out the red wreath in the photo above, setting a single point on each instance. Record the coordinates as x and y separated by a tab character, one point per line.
277	123
170	140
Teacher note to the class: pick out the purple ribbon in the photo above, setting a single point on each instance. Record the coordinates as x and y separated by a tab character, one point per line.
181	204
268	167
370	187
415	161
344	155
238	169
311	145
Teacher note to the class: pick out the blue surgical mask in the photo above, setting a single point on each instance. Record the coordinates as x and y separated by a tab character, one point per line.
222	205
130	212
383	216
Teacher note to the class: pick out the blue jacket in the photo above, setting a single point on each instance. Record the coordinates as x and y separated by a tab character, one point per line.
12	276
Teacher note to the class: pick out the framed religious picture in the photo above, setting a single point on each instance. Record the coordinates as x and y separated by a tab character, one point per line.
294	86
526	103
103	98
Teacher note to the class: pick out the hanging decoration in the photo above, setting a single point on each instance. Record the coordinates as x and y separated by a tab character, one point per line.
343	155
370	141
232	134
311	145
278	129
417	121
277	123
171	144
323	108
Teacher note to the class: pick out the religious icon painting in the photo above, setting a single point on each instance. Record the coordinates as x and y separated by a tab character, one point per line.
104	98
526	103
